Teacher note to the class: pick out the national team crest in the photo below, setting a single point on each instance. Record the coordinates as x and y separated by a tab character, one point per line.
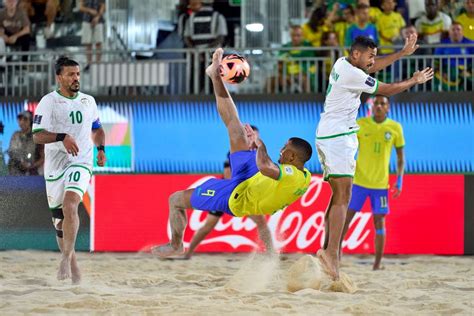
388	136
85	101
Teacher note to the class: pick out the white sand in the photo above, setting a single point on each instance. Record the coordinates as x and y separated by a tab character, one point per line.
226	283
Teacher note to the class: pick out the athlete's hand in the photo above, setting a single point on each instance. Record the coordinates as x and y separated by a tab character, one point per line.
70	145
396	192
101	159
410	45
424	75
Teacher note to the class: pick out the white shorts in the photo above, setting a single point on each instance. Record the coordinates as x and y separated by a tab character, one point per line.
92	35
74	178
337	155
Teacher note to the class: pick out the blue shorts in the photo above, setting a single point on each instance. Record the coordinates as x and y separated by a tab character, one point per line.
378	199
214	194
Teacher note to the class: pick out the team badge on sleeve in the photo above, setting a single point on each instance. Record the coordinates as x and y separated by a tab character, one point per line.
37	119
370	81
288	170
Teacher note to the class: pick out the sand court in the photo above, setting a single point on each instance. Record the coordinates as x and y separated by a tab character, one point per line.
127	283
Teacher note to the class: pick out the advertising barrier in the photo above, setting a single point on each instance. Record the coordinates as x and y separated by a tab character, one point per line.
131	214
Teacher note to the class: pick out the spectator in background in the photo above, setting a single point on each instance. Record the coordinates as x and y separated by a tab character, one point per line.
450	74
362	27
467	19
205	28
389	25
341	27
15	27
433	24
374	12
294	68
451	7
92	27
317	24
40	11
26	157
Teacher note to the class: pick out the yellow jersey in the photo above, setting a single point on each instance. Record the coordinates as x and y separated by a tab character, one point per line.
467	26
263	195
375	146
389	26
314	37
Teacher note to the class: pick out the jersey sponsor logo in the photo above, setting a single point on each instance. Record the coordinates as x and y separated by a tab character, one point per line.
37	119
388	135
288	170
370	81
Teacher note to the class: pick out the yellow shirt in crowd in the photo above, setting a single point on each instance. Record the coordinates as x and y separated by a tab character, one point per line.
375	146
467	25
389	26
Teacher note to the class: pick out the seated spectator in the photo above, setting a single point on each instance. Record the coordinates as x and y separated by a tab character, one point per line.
329	39
389	25
341	27
15	27
41	11
26	157
467	19
317	24
451	7
92	27
433	24
294	68
362	27
374	12
450	74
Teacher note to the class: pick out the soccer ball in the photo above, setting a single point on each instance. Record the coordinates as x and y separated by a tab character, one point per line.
234	68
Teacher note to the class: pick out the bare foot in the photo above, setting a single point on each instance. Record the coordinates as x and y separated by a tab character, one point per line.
213	70
64	271
329	264
75	271
167	250
378	267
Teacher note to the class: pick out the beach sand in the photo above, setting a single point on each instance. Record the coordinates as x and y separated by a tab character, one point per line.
126	283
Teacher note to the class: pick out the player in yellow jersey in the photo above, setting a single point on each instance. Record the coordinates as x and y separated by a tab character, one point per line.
257	185
377	136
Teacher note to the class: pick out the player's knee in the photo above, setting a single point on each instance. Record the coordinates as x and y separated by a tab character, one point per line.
57	218
379	222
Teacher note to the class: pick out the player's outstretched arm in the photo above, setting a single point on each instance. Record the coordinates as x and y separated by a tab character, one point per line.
419	77
384	61
45	137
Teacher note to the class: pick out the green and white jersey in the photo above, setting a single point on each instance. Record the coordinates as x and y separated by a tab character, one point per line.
346	84
73	116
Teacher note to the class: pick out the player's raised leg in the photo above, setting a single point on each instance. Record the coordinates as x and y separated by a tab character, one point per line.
178	203
226	107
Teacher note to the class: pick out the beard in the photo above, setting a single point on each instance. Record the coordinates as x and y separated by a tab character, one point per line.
74	87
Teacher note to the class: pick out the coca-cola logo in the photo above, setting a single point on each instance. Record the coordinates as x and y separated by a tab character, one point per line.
300	226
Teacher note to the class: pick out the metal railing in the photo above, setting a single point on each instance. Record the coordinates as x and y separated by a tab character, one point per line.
181	71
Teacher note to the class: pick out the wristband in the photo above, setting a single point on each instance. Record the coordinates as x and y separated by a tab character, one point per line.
101	147
60	137
399	182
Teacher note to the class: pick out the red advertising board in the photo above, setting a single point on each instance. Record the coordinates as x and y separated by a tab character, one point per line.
131	214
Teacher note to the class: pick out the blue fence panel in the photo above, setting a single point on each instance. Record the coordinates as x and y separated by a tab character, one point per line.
189	137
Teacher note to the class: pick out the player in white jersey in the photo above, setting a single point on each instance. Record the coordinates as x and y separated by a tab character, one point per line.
336	140
64	121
